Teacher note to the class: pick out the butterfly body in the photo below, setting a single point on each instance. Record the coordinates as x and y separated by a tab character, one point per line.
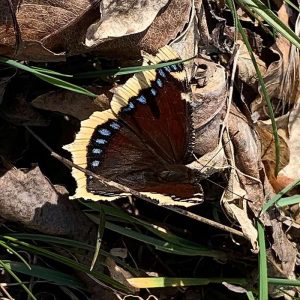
144	141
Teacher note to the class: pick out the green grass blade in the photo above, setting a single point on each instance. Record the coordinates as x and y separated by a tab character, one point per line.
100	233
158	243
69	243
261	83
262	263
250	295
50	275
284	281
49	79
288	201
158	231
51	72
128	70
257	8
67	261
7	247
278	196
7	268
291	4
162	282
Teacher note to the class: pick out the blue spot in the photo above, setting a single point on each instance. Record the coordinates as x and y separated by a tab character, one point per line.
115	125
95	163
161	73
142	99
168	69
159	82
129	107
96	151
174	67
101	141
104	131
153	91
90	177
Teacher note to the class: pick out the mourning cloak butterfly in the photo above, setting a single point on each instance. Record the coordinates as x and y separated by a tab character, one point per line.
144	141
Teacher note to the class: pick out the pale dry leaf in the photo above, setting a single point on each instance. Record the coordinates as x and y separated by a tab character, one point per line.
119	252
119	274
292	170
186	44
246	70
247	158
208	105
236	207
167	25
122	18
211	162
69	103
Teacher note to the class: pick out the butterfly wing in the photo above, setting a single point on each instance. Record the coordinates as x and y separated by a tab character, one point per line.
146	131
155	105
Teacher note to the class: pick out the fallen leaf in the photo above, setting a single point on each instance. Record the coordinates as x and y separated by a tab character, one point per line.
208	104
69	103
29	198
48	29
292	170
237	208
268	149
246	70
282	77
166	26
120	19
119	274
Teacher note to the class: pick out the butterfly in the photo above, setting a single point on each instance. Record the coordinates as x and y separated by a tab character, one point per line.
144	141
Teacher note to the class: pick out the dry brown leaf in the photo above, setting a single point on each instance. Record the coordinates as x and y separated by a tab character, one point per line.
48	29
69	103
30	199
119	274
283	76
236	207
208	103
52	31
167	25
268	149
246	70
247	159
122	18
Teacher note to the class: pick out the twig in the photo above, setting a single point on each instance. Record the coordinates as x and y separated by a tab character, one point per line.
134	192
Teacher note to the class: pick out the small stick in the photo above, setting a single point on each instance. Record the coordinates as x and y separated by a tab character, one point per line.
125	189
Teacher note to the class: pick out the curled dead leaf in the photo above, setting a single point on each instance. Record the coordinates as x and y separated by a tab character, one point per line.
208	104
120	19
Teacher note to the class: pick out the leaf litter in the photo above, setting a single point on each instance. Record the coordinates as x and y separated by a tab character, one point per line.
234	145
